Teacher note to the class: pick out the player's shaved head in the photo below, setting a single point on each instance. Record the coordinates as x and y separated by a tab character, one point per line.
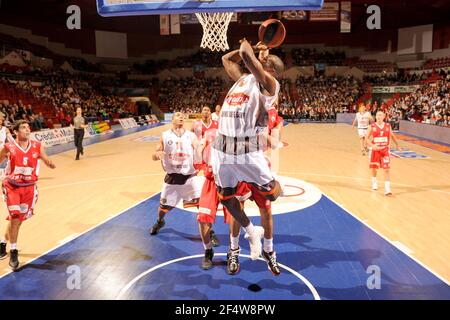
275	63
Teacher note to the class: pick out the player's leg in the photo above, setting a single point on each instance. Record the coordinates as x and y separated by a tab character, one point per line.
374	179
77	143
160	221
81	142
171	195
233	264
265	210
14	228
228	172
268	252
206	217
374	165
362	142
387	182
3	242
12	199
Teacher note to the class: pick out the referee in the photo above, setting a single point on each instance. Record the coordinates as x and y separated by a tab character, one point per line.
78	123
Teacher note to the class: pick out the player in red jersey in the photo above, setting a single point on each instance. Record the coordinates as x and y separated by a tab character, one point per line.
199	127
19	185
379	137
205	130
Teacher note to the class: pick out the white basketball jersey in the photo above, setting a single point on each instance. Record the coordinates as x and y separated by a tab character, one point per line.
363	120
179	153
3	137
243	106
214	116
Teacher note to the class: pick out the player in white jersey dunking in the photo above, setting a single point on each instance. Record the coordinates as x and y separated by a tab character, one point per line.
363	118
176	151
237	154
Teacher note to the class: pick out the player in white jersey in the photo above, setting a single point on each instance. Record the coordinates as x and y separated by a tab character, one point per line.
363	118
5	136
176	152
237	154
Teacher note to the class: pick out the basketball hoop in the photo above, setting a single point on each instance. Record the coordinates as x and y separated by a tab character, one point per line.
215	27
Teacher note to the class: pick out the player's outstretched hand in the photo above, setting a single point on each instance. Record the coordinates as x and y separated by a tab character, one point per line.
51	165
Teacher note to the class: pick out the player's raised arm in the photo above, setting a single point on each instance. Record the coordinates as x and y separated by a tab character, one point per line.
158	155
256	68
230	62
49	163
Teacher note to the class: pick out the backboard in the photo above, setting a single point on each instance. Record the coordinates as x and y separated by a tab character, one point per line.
109	8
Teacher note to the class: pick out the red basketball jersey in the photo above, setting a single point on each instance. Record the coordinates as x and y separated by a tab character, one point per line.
381	136
23	164
200	127
213	125
274	118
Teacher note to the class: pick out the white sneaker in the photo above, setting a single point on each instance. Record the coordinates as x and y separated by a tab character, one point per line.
255	242
374	186
388	192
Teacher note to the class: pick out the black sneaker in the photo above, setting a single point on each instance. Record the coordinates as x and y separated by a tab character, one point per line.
82	152
157	226
3	252
272	264
233	261
214	240
207	260
13	259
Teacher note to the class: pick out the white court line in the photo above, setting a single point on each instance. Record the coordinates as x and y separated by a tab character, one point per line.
393	243
358	178
80	234
143	274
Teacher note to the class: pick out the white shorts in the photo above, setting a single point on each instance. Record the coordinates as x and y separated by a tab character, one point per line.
362	132
172	194
250	167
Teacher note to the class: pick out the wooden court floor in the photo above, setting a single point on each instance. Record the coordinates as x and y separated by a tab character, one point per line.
116	174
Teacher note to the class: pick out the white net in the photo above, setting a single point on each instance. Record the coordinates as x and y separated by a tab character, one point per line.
215	27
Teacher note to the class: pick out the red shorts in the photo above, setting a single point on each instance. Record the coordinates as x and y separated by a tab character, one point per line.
19	200
209	201
259	198
380	159
246	191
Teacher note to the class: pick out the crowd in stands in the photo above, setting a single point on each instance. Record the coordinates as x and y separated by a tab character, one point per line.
430	103
308	57
63	93
20	111
190	94
320	98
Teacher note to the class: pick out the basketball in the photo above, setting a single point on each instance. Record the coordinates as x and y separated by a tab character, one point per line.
272	33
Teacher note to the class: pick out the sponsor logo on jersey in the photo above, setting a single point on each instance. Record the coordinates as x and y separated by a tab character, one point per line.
23	170
237	99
